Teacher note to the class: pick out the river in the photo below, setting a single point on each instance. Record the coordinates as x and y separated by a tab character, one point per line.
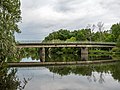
102	76
80	77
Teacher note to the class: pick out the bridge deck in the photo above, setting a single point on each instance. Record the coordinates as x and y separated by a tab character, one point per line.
66	44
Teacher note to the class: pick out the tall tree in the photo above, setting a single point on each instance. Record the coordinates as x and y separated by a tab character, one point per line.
9	18
118	41
115	29
91	28
100	27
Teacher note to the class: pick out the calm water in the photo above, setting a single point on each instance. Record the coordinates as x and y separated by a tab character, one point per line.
71	77
90	77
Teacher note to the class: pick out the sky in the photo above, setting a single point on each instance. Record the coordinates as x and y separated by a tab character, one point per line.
41	17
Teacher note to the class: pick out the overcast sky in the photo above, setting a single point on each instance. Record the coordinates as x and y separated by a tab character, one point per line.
40	17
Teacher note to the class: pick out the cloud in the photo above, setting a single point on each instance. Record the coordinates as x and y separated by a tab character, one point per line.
45	16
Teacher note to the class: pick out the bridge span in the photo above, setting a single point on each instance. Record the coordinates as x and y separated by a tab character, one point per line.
83	45
65	44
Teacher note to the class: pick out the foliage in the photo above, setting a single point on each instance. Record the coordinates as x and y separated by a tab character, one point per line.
62	58
61	54
115	29
9	79
87	70
116	50
28	53
9	16
72	39
87	34
84	35
118	41
61	35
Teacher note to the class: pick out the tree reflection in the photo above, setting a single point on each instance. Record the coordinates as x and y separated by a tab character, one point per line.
89	70
9	80
62	58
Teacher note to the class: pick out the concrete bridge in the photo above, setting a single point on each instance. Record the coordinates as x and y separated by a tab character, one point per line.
83	45
65	44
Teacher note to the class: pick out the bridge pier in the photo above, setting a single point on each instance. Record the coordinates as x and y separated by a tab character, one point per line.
84	53
42	54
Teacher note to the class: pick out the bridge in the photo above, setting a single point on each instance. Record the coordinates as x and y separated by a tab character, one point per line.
83	45
27	44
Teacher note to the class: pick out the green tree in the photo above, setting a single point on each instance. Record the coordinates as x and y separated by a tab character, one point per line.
83	35
96	37
10	81
9	18
118	41
107	36
72	39
115	29
60	34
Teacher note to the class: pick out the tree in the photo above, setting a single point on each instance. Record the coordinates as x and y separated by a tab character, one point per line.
60	34
10	81
118	41
115	29
100	27
72	39
91	28
9	16
83	35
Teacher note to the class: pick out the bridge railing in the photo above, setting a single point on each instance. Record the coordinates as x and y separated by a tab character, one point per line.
29	41
62	42
82	42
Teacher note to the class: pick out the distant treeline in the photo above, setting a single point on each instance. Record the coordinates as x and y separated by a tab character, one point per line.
87	34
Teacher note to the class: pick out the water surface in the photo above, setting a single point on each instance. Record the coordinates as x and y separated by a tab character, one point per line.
90	77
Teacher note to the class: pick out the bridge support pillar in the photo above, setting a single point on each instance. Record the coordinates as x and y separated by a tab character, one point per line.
84	53
42	54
